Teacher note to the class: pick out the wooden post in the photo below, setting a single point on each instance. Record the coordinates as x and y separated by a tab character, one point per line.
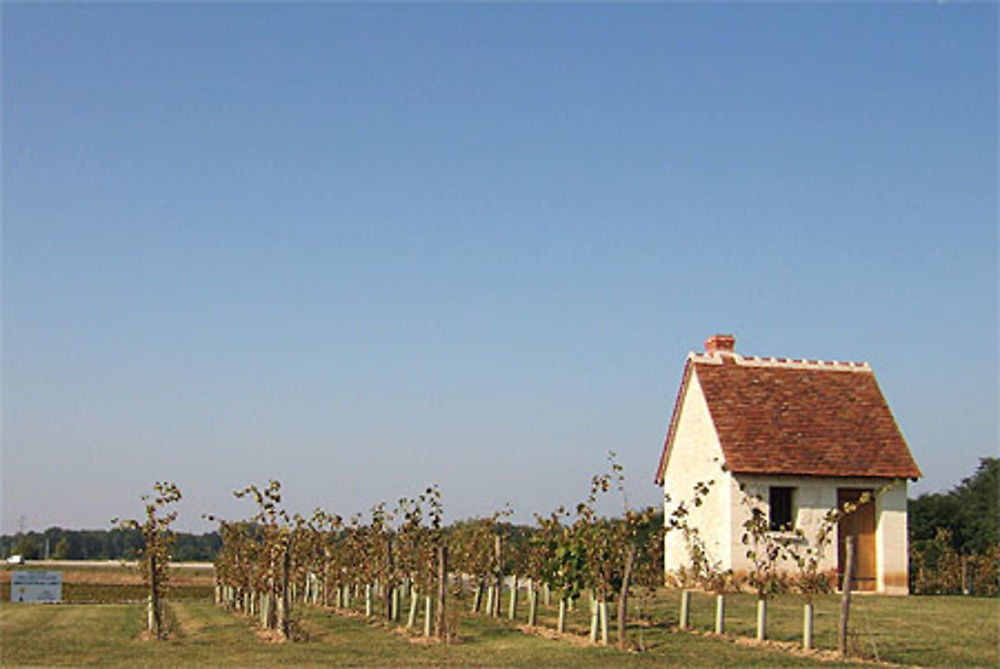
326	577
807	626
284	605
595	616
477	598
845	602
602	606
685	619
623	596
965	567
412	617
154	621
720	614
532	605
498	552
440	627
512	607
281	613
390	586
761	619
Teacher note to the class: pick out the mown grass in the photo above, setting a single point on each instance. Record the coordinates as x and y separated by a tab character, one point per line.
203	634
66	634
906	630
915	630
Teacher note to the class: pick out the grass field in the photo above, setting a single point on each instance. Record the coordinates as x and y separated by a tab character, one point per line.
109	635
111	582
903	630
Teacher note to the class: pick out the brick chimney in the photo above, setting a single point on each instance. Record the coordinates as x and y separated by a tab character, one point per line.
720	343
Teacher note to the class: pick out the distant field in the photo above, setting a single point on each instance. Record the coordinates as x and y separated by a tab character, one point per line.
112	582
905	630
98	564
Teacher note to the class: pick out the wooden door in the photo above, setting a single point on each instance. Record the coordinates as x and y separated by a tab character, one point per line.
861	525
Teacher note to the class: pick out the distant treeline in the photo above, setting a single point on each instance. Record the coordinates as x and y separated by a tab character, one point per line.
955	536
60	544
969	513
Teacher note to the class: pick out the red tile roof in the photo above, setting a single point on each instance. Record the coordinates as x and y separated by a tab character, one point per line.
778	416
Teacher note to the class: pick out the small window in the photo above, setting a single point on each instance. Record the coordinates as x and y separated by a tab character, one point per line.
781	509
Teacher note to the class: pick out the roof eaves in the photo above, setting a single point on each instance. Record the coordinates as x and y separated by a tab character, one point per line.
745	471
668	442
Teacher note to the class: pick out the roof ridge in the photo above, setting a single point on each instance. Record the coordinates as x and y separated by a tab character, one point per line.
779	363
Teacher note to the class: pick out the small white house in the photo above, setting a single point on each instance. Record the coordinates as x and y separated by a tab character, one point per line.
802	436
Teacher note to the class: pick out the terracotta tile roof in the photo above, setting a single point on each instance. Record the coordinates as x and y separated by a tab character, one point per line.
778	416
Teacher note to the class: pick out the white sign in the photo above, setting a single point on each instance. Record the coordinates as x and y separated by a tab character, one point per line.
36	586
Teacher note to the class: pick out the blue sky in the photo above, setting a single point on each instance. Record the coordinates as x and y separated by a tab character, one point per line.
363	248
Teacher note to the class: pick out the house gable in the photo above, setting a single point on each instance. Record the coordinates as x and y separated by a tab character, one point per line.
693	456
672	429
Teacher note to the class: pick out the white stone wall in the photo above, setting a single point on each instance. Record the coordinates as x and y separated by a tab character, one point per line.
813	498
696	456
891	541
